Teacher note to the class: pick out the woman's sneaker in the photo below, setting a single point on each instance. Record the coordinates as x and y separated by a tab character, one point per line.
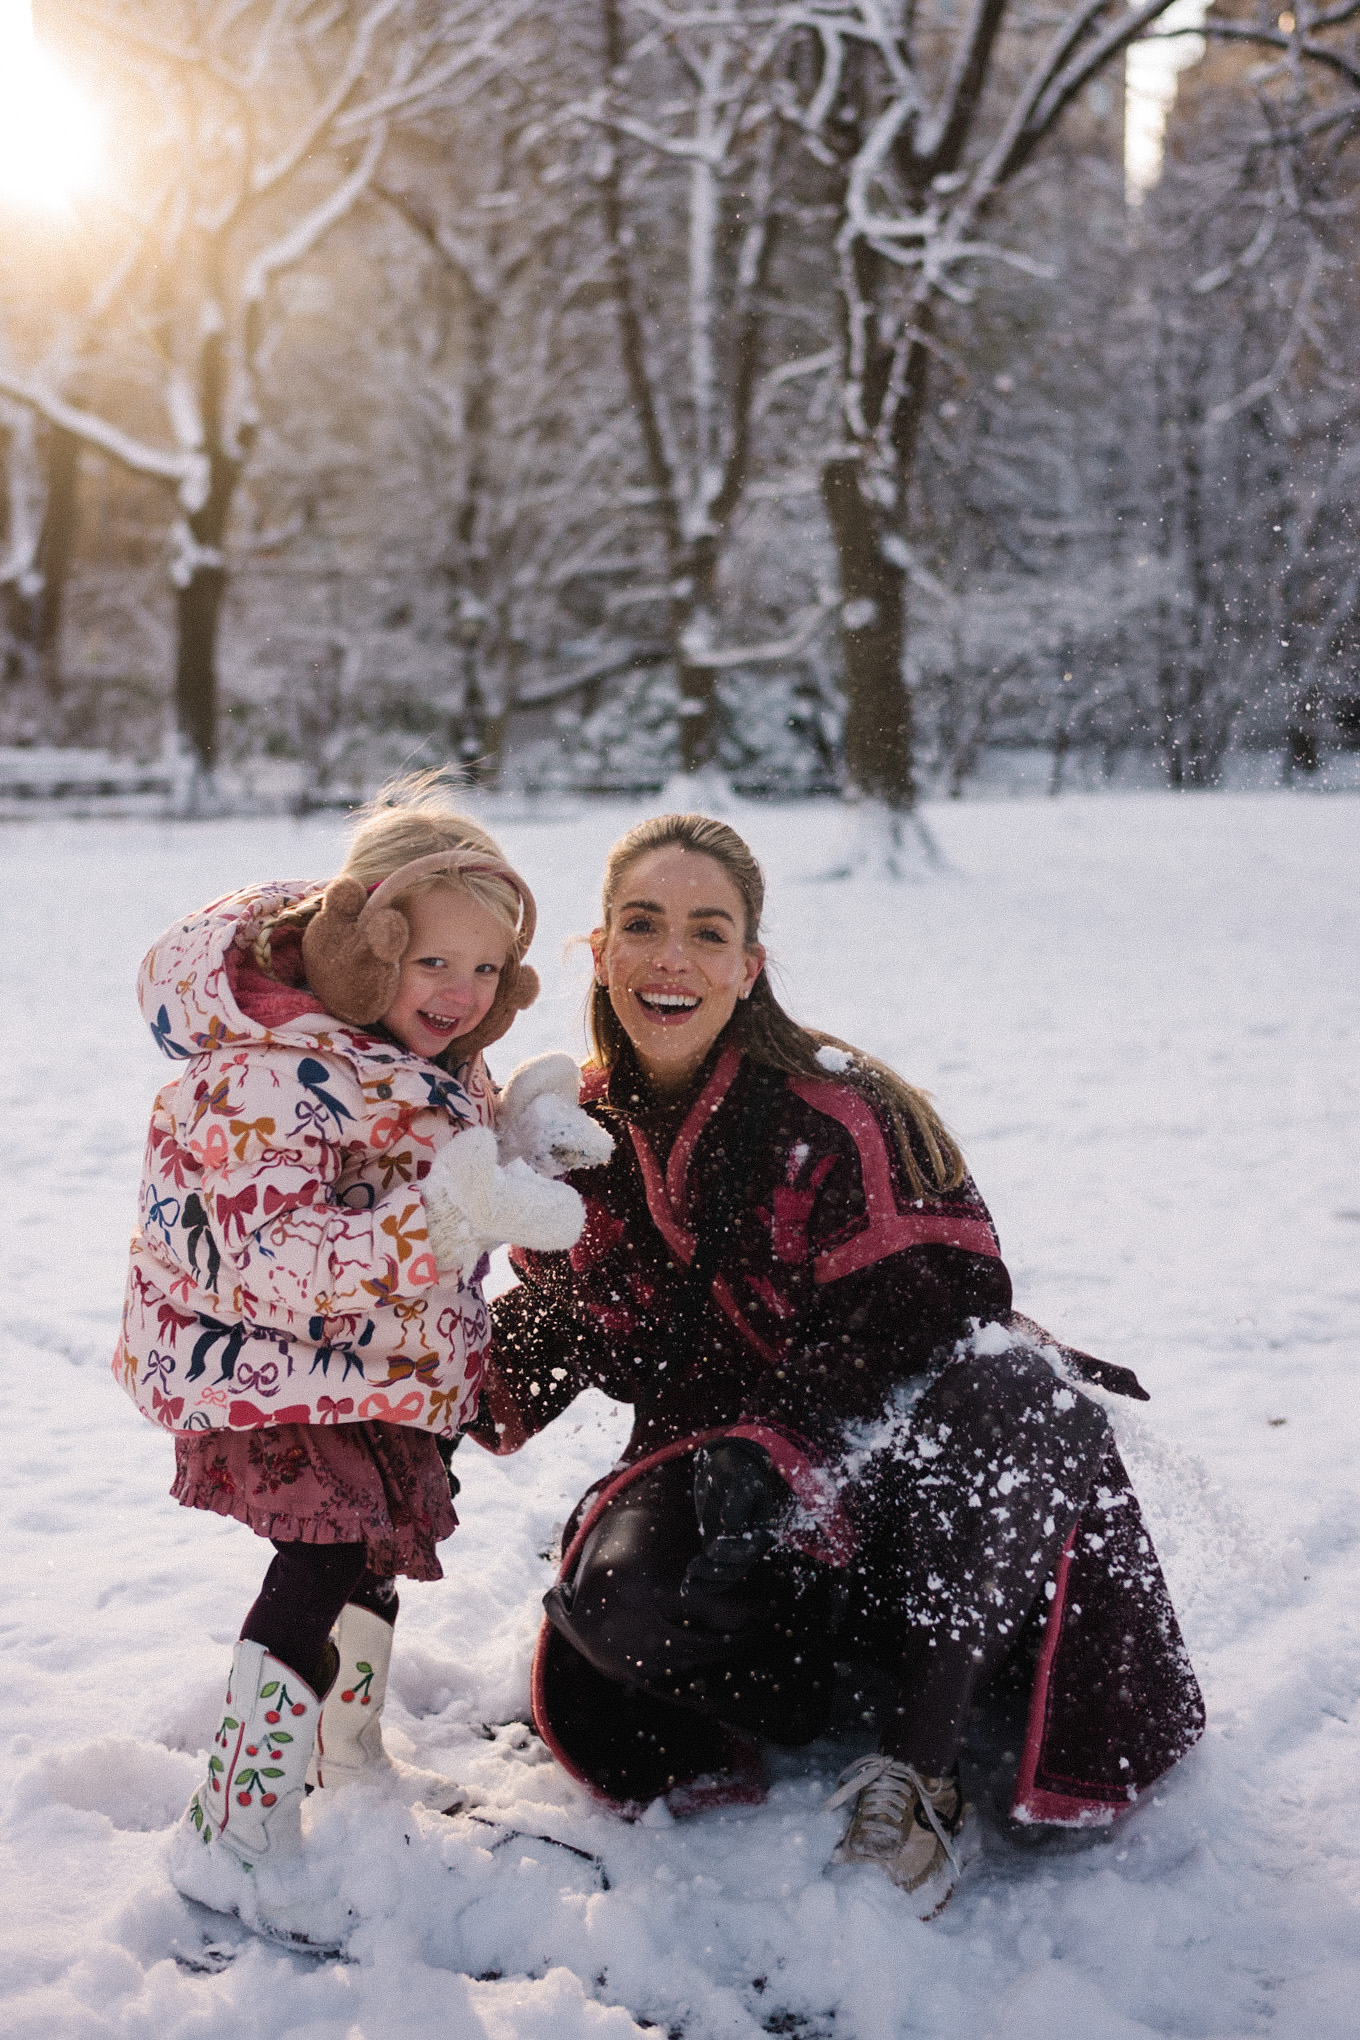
904	1823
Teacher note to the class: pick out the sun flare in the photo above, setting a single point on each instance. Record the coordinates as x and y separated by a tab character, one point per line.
49	130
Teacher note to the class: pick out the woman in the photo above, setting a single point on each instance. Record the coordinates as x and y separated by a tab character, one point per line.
846	1449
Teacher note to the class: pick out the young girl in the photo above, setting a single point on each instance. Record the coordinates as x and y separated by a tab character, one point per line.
304	1309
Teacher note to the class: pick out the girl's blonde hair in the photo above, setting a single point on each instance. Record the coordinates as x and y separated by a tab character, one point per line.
411	817
760	1027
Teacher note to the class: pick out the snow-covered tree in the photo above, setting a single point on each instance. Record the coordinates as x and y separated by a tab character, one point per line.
925	114
249	133
1247	274
518	407
929	116
695	173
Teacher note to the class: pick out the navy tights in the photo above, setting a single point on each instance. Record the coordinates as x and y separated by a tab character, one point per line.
304	1590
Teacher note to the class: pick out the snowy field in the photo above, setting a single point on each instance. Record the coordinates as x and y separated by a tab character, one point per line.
1142	1015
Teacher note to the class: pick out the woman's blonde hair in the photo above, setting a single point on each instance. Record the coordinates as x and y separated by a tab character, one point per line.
411	817
760	1027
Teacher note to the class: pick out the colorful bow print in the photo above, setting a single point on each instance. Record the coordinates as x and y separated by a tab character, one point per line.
376	1409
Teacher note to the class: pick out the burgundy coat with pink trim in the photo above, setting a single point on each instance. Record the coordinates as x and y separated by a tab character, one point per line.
835	1284
834	1281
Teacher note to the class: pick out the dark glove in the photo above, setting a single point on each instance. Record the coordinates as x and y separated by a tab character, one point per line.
446	1447
738	1500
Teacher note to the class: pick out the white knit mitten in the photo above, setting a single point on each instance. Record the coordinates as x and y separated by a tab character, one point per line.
472	1204
540	1122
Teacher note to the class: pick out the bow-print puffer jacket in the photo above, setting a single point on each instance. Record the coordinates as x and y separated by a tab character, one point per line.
280	1271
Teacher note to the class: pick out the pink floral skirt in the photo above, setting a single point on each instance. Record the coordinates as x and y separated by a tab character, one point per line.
380	1485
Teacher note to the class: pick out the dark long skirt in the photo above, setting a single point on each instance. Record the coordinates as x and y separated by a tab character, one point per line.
996	1521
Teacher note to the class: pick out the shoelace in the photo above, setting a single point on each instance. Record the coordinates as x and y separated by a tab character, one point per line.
885	1786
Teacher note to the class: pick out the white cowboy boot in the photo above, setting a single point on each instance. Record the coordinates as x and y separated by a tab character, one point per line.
349	1740
250	1804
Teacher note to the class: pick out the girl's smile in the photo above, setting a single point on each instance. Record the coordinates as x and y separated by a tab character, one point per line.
449	971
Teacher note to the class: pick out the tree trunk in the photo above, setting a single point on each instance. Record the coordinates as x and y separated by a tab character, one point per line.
56	544
693	621
1169	735
198	611
1198	771
198	614
34	598
477	725
865	493
1302	753
201	573
878	723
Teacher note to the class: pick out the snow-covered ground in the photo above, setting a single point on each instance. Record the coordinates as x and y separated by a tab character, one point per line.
1142	1014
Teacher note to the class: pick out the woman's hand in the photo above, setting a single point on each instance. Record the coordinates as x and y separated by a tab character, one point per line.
738	1498
540	1122
473	1205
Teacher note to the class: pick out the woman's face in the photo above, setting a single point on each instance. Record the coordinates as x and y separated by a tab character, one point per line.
675	962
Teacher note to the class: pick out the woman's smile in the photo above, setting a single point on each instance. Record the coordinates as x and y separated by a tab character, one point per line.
665	1007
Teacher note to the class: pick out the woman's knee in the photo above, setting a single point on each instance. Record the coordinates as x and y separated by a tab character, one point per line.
999	1395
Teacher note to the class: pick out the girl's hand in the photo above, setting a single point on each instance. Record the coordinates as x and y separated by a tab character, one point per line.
473	1205
541	1123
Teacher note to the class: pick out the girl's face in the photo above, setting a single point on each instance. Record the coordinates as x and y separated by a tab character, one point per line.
450	970
675	962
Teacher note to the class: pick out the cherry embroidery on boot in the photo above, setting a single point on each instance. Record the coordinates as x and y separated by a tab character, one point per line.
286	1699
360	1686
251	1781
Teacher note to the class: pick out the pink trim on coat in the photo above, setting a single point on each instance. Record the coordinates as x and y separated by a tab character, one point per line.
889	1231
594	1084
696	1119
836	1547
835	1542
727	1303
896	1235
1033	1803
678	1239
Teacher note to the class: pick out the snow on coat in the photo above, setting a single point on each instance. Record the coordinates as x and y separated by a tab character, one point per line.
280	1271
835	1289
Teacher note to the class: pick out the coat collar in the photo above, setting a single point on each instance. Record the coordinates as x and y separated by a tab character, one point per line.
715	1082
625	1091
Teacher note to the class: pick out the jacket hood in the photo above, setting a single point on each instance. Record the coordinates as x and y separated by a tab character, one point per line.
191	985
